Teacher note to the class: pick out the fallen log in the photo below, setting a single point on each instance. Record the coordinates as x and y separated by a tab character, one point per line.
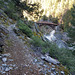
46	23
41	23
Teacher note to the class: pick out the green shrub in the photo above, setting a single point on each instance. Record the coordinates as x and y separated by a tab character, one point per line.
45	18
1	4
65	56
37	41
66	19
11	14
29	23
54	20
24	28
71	29
44	50
10	10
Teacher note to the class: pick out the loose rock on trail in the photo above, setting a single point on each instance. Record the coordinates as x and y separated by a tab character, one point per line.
19	58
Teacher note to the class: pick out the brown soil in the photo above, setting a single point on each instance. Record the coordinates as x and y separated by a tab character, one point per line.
21	55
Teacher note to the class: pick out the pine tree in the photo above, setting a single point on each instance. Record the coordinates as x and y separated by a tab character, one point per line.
72	27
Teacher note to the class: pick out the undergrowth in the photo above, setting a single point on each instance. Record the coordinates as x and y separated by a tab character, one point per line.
65	56
24	28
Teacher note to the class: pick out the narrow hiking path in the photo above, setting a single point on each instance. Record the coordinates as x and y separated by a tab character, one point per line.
23	59
21	55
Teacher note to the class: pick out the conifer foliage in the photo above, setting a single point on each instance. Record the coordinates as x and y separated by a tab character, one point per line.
72	27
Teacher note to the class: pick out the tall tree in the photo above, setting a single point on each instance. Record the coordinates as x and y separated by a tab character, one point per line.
72	27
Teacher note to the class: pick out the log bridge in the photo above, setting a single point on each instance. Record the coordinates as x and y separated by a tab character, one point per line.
47	23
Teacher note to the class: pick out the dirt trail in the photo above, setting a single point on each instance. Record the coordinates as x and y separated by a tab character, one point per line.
21	55
26	61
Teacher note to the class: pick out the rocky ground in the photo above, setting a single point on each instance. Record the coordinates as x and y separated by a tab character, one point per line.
19	58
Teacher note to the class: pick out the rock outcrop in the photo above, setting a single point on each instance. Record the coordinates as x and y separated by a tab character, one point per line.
58	37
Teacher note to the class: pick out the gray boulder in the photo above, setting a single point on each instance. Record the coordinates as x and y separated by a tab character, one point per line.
57	37
61	44
65	36
50	59
57	28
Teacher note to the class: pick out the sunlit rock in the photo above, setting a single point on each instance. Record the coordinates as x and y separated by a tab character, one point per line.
50	60
56	37
7	69
51	37
4	59
62	73
6	55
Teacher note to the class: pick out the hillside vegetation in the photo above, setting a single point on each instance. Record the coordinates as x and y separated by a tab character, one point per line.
25	13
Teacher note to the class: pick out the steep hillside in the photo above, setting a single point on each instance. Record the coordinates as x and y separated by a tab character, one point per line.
23	51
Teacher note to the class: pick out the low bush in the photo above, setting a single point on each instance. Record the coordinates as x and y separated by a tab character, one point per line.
12	15
10	10
54	20
65	56
24	28
28	23
45	18
37	41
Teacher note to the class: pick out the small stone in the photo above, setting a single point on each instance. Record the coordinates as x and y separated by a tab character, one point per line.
14	65
56	72
40	70
53	69
31	70
41	63
42	57
62	72
0	57
10	59
44	72
10	68
10	65
3	72
7	69
4	65
35	60
52	74
53	66
2	68
49	71
6	55
45	66
4	59
16	68
38	65
49	63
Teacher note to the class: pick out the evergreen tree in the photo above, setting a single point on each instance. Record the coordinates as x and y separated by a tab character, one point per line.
30	8
72	27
